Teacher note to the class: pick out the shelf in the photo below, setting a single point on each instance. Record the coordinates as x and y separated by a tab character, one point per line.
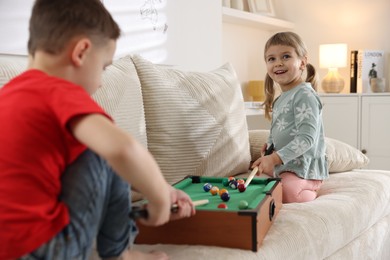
230	15
254	111
353	94
254	104
253	108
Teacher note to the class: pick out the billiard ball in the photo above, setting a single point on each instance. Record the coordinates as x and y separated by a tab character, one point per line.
214	190
225	182
240	181
233	185
225	196
222	206
231	178
207	187
241	187
221	191
243	204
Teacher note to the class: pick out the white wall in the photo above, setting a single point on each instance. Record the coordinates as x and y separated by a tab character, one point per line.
243	47
14	15
195	37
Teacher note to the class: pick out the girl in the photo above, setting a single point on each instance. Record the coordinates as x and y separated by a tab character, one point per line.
296	129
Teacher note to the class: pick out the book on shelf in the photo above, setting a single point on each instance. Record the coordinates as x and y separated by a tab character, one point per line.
369	64
353	71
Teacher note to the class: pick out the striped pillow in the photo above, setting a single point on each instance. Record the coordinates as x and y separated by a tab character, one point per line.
196	123
11	66
121	97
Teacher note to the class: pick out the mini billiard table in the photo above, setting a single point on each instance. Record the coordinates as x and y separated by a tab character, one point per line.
230	227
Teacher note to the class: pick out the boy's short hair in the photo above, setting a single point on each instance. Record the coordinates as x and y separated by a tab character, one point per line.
54	23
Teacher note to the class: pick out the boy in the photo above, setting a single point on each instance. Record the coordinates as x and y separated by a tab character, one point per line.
56	195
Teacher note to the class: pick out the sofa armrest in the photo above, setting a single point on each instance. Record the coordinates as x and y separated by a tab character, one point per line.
257	138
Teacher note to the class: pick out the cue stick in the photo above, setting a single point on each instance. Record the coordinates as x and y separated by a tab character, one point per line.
253	173
141	212
197	202
256	169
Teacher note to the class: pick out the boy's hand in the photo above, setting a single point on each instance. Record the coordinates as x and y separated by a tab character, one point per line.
185	206
158	211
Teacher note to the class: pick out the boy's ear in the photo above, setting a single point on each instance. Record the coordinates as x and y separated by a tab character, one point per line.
80	51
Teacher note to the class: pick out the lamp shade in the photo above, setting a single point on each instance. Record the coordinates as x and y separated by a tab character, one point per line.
333	55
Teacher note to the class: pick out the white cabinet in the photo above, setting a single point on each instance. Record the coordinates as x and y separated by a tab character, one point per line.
256	120
361	120
341	118
375	130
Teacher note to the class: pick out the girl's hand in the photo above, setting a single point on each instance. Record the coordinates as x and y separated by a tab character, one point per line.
258	161
267	163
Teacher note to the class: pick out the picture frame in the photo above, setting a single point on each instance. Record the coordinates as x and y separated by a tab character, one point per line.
264	7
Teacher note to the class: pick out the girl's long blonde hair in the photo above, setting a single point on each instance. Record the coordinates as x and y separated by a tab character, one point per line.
293	40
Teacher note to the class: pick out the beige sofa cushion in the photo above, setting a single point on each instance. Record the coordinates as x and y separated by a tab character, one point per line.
196	123
257	138
121	97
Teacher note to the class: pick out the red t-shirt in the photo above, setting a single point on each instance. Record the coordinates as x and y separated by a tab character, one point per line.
35	148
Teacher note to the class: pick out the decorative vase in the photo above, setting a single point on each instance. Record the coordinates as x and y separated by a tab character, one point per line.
256	90
378	84
332	83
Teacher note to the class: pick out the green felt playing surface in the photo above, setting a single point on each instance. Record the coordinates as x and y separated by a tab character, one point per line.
254	194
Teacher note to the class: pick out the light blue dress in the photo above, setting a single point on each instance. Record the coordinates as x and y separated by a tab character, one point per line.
297	133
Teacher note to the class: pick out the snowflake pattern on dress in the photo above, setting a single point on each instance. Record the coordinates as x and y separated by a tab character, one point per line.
281	124
294	132
304	112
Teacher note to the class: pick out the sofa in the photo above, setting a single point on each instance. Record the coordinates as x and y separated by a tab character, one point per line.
194	123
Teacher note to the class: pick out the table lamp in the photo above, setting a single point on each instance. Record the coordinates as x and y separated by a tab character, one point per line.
332	57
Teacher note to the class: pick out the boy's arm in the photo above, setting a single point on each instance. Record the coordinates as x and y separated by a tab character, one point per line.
129	159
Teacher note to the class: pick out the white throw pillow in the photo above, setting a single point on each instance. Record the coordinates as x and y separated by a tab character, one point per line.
341	156
195	121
